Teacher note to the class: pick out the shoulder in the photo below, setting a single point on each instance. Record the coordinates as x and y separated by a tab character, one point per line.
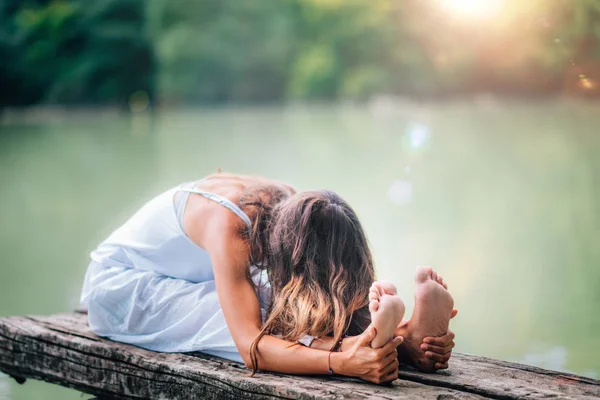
217	230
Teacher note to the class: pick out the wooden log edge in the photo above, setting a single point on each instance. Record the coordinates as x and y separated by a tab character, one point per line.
61	349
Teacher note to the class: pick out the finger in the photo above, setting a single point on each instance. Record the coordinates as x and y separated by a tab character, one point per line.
440	340
437	349
391	367
392	376
373	295
389	358
390	346
438	357
367	336
439	365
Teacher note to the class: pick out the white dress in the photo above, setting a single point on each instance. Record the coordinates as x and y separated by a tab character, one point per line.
149	285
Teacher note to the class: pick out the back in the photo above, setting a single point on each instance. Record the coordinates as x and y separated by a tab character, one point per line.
154	238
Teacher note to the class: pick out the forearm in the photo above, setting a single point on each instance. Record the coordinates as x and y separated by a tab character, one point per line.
326	343
278	355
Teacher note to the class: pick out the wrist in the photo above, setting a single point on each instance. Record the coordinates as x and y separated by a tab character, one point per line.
337	362
348	343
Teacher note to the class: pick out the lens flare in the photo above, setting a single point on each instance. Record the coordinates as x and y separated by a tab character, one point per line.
417	135
473	9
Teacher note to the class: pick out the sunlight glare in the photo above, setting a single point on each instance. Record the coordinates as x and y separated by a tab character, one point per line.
473	8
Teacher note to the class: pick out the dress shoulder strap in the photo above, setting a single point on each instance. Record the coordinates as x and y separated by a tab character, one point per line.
225	202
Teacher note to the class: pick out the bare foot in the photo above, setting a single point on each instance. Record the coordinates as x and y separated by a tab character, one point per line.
387	310
431	316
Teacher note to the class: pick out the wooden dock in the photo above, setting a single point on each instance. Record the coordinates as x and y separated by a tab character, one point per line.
61	349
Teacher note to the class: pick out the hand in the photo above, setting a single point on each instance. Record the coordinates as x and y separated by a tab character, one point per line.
348	342
439	349
364	362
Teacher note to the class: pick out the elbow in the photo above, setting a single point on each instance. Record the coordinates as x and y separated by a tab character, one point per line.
247	361
246	358
246	355
245	350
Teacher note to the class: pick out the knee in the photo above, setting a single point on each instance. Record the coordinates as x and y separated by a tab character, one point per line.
105	315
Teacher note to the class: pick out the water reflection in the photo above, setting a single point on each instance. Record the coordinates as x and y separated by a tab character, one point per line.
554	358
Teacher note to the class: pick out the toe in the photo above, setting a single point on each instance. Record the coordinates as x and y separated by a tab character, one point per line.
375	287
388	287
440	280
373	306
423	274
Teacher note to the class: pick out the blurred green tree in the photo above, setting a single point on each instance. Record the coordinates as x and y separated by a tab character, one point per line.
74	52
215	51
211	51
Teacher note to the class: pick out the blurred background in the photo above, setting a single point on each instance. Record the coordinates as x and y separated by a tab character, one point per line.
465	133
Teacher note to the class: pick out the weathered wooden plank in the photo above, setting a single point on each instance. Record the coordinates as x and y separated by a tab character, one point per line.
62	349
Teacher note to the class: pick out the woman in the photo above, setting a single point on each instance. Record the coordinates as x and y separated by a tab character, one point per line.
203	265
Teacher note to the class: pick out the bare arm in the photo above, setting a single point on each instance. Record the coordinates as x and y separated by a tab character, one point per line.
241	309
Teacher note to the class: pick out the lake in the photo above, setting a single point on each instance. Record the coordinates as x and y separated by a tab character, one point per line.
502	198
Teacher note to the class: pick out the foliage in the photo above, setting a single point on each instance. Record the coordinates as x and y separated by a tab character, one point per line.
73	52
103	51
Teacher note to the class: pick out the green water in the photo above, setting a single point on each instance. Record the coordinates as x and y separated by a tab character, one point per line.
503	199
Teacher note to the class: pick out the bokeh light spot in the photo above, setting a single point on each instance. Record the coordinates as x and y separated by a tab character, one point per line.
418	135
400	192
587	83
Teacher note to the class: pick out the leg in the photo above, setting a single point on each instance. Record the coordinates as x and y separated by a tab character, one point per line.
156	312
387	311
431	317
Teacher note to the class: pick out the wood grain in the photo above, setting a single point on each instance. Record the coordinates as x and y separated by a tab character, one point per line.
61	349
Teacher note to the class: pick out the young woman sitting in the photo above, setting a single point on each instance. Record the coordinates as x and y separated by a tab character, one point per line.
245	269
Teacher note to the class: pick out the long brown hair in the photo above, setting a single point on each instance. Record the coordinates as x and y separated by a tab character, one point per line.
320	269
258	202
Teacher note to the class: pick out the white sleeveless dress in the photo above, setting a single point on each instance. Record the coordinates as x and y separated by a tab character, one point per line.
149	285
